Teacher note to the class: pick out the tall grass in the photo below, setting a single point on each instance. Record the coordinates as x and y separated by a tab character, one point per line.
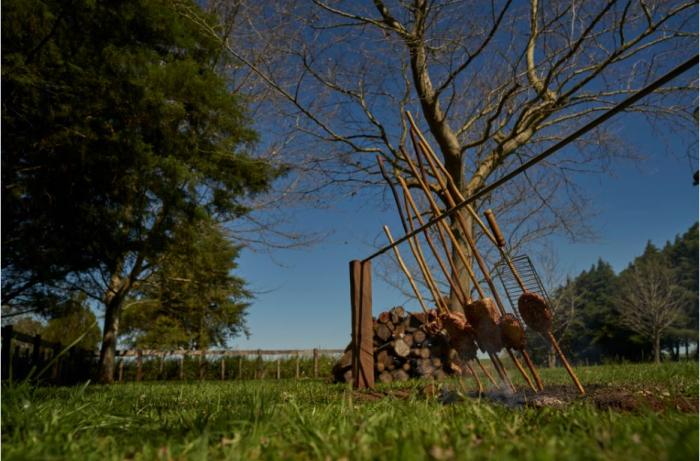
309	419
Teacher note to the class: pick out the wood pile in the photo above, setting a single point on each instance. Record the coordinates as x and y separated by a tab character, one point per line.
404	347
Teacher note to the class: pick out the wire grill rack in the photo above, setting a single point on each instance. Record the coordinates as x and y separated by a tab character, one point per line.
529	276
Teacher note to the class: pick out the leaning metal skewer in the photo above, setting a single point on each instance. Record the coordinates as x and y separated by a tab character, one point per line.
494	358
479	386
491	218
406	272
499	241
414	209
431	245
430	155
422	146
486	371
413	244
419	257
426	151
421	180
411	206
422	263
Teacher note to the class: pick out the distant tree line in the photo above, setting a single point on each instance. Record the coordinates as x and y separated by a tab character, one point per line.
649	308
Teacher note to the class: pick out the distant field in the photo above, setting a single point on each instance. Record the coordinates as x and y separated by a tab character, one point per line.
314	420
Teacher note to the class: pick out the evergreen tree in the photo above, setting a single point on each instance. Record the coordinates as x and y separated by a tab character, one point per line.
192	300
598	333
117	128
682	255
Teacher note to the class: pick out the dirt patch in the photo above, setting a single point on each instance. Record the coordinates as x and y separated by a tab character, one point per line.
624	401
654	399
603	397
614	398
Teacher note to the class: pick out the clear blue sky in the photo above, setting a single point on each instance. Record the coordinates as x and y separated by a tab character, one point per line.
303	296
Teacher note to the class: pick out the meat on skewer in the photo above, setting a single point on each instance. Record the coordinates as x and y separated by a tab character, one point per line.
512	334
534	311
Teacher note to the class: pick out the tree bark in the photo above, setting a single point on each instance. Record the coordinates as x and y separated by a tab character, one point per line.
108	350
462	275
113	299
657	348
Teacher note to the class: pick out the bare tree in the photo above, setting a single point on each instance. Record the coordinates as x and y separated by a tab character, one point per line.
649	301
494	82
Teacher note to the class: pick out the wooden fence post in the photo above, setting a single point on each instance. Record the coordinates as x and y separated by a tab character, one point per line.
259	366
315	363
223	367
139	365
361	301
240	367
7	352
182	366
296	375
278	369
36	352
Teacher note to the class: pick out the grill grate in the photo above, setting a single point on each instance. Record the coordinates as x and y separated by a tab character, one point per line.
529	276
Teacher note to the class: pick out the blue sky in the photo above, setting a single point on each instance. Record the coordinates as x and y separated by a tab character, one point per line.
302	296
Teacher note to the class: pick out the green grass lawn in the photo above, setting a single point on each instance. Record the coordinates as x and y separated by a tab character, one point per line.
313	420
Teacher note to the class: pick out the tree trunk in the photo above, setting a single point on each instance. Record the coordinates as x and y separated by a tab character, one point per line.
108	351
113	299
657	348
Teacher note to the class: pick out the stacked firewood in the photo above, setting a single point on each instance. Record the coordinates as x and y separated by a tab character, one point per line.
404	347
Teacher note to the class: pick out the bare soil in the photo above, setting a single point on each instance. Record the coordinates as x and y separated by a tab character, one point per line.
603	397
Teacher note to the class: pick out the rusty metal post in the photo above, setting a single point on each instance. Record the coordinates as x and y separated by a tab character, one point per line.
362	328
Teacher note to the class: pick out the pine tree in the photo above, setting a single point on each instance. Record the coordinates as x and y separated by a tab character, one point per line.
117	128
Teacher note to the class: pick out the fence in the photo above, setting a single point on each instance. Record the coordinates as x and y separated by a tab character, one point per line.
21	353
148	365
